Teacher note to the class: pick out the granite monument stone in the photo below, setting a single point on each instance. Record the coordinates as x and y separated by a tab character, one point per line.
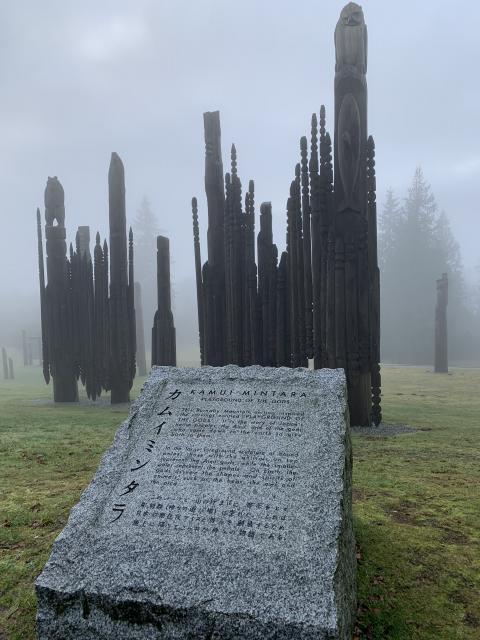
222	510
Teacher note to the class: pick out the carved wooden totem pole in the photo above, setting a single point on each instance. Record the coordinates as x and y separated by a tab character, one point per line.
141	357
56	299
164	351
441	346
351	272
121	303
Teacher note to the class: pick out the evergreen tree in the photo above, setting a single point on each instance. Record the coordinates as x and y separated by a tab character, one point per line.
416	246
146	230
476	293
390	218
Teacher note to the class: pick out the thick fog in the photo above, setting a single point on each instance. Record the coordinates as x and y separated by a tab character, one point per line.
80	80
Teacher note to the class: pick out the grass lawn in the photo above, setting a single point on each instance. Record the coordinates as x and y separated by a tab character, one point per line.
416	501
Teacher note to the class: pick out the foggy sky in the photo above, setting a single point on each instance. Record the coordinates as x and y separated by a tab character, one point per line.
82	79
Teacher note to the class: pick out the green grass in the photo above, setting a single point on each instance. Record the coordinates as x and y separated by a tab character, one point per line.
417	510
416	501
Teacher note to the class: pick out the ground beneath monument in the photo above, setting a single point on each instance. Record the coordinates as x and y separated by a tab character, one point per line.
416	509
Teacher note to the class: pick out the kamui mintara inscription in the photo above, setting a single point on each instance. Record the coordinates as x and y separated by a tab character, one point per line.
217	461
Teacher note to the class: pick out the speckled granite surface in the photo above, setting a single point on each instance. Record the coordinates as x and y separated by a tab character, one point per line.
222	510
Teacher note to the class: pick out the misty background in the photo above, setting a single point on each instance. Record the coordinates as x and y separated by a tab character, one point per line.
80	80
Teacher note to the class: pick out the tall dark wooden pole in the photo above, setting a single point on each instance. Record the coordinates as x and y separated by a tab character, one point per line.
441	347
214	188
326	248
58	304
43	317
374	284
84	315
199	281
283	344
163	332
267	286
5	363
307	249
101	329
315	230
120	314
352	281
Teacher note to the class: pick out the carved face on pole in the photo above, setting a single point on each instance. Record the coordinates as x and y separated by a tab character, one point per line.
351	40
352	15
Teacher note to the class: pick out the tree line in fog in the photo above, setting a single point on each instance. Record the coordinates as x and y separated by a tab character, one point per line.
416	245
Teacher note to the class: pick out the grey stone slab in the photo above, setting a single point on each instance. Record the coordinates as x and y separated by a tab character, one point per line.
222	510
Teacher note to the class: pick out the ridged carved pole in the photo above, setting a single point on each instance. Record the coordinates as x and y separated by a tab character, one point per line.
374	284
307	249
283	348
5	363
326	353
199	283
315	230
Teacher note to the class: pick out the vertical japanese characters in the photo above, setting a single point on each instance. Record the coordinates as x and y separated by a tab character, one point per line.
148	448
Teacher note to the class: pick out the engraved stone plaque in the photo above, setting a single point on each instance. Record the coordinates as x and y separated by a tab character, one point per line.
222	510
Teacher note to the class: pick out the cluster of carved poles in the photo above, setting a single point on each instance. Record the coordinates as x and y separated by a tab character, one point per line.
320	301
88	318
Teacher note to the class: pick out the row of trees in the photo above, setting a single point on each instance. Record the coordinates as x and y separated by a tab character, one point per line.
146	229
416	246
